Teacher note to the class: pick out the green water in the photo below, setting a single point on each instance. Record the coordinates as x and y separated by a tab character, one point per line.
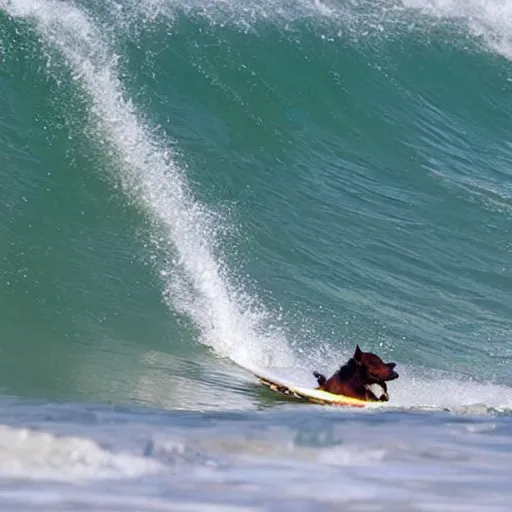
187	186
268	185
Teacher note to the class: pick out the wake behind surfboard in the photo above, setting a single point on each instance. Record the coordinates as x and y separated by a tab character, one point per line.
276	381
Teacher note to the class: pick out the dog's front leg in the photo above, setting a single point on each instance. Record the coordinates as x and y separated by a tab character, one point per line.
384	397
370	395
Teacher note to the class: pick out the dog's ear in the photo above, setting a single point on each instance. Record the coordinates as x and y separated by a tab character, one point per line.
357	354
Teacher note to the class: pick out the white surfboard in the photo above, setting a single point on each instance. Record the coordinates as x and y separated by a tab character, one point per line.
303	388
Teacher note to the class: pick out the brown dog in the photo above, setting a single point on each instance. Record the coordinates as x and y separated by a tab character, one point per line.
355	378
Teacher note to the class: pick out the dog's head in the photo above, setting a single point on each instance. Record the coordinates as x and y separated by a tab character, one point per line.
376	371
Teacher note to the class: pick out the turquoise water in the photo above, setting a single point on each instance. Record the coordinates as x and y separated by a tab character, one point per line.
186	186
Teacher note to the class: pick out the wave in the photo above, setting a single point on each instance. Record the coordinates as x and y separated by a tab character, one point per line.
33	455
185	235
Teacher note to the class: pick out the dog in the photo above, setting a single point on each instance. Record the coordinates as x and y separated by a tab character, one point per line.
358	375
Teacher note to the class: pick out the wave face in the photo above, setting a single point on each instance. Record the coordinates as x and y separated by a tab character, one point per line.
275	181
190	185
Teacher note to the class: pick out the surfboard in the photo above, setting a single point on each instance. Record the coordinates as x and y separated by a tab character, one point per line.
276	381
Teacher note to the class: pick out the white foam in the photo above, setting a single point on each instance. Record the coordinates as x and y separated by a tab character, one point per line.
489	19
439	391
241	14
195	279
31	454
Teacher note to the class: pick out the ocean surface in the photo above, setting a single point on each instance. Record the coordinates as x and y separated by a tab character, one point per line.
190	186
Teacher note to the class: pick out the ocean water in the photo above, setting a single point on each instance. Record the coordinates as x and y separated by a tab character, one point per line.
187	187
